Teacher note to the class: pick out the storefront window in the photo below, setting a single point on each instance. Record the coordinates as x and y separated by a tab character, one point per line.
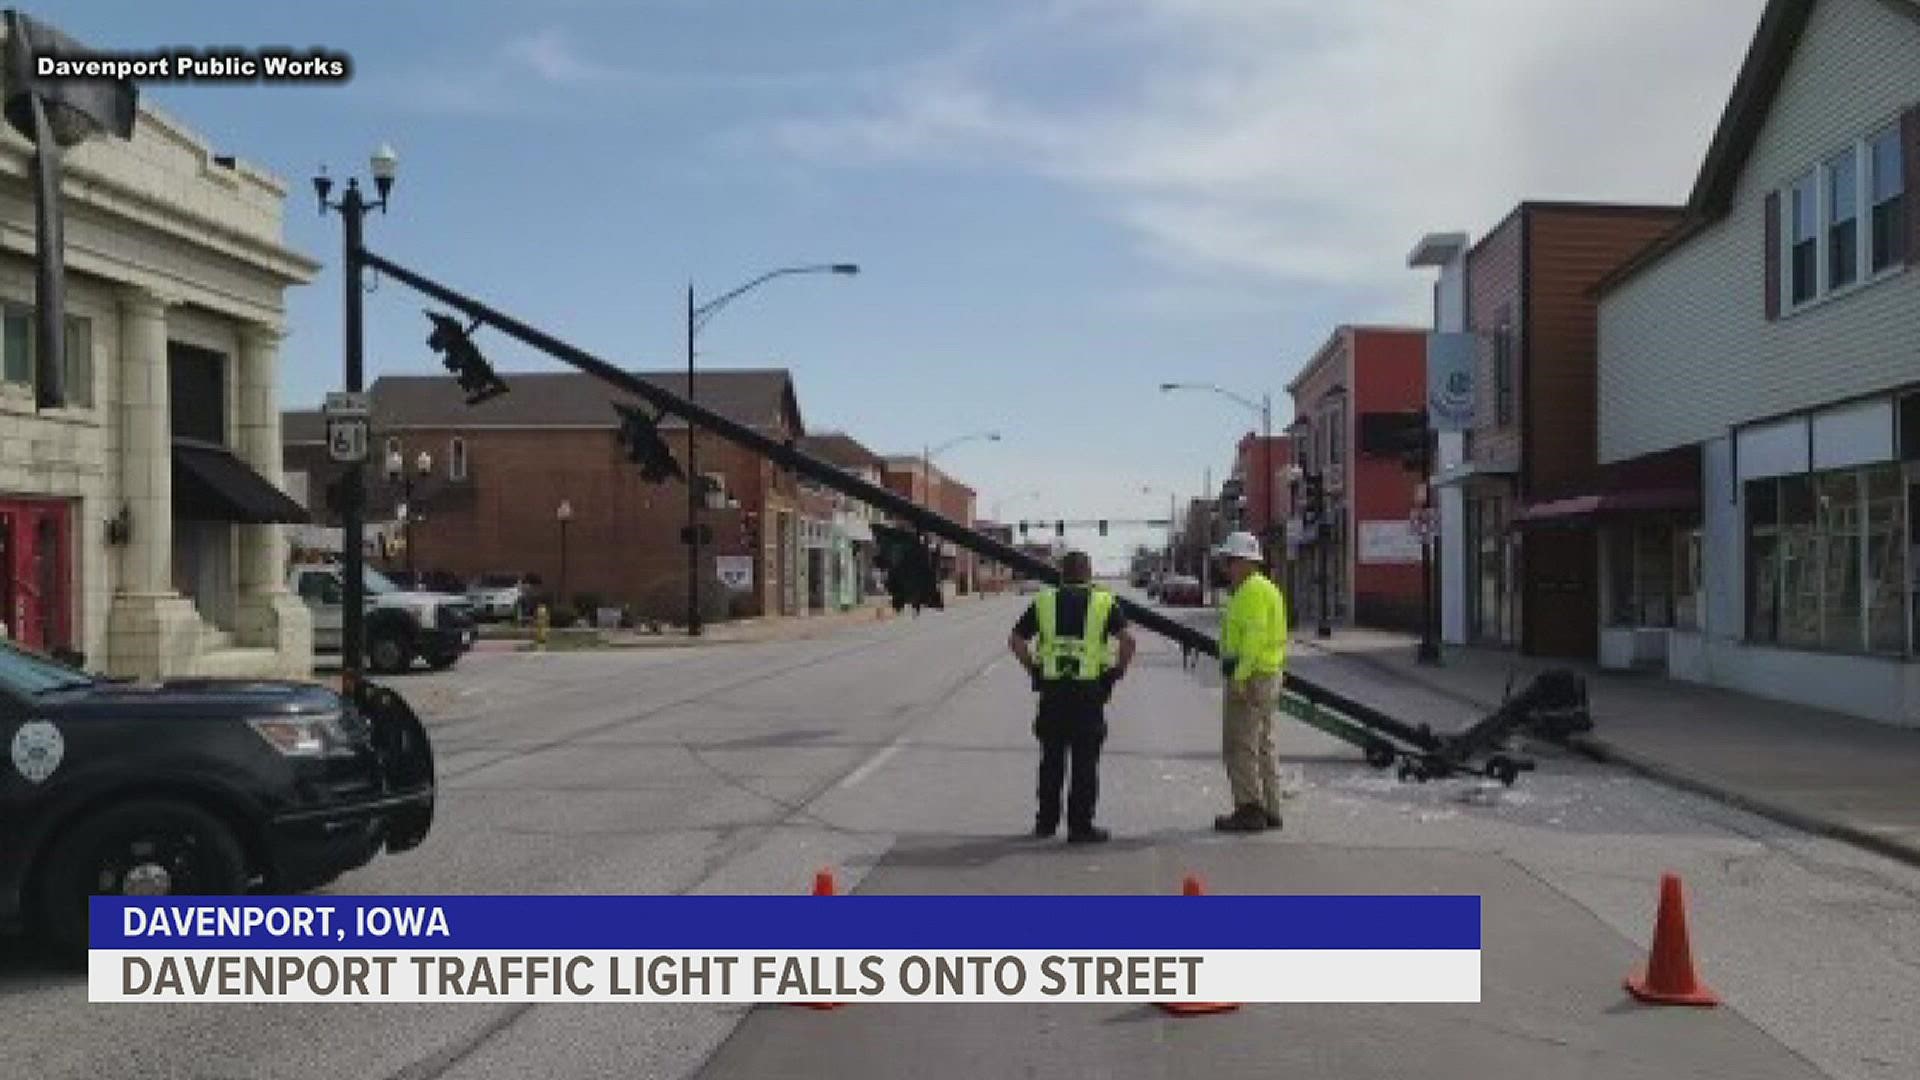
1686	580
1887	574
1763	561
1827	561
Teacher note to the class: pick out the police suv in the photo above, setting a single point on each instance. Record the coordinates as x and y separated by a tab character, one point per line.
193	787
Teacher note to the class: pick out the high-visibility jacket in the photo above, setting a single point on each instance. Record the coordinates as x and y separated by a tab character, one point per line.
1254	634
1061	657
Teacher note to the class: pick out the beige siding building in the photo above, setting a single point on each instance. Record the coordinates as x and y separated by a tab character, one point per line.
1778	332
138	524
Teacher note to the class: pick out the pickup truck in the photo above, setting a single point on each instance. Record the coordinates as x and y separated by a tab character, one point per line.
400	625
193	787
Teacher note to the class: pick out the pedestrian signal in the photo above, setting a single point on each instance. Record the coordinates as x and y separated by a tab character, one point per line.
462	357
641	441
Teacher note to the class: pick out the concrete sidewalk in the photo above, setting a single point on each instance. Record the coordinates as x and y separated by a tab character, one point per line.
1836	775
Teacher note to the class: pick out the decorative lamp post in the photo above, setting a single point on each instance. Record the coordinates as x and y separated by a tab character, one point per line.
398	475
352	207
564	515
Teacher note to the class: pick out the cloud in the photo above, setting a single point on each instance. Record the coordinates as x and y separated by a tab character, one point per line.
1304	141
552	57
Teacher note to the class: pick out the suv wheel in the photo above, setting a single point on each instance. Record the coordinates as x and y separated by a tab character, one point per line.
441	661
389	653
149	847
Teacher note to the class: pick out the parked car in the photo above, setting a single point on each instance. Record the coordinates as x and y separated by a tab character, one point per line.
400	625
439	581
193	787
502	595
1179	590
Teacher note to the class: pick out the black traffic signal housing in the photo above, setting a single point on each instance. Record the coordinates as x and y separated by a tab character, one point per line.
640	440
1059	528
1103	527
913	579
462	357
1023	530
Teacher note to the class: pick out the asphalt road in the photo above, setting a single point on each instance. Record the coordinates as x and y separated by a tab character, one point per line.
899	754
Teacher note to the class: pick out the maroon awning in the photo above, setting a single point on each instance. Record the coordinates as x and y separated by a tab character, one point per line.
1586	507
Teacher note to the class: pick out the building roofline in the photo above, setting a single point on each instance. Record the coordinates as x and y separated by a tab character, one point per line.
1775	41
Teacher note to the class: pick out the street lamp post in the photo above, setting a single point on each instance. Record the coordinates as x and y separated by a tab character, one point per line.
409	508
1264	409
352	207
927	454
697	317
564	515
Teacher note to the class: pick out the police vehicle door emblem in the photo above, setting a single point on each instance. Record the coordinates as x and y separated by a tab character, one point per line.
37	750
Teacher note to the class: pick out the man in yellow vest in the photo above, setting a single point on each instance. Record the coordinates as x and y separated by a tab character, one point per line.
1075	645
1253	652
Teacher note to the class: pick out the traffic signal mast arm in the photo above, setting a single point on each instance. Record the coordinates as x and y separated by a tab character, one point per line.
906	510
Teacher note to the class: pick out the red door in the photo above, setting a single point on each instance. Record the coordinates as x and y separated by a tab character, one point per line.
36	572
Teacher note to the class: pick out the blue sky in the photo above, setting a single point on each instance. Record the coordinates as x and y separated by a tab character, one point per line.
1057	204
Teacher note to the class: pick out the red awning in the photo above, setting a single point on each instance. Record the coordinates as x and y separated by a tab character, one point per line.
1585	507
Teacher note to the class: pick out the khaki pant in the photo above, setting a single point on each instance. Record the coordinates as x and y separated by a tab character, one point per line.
1247	743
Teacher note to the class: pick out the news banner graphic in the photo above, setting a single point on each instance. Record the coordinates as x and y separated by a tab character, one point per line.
787	949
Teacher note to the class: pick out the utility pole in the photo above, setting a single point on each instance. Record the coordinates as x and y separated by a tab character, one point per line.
694	489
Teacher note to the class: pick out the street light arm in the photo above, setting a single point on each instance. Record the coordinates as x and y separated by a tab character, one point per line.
986	436
706	311
1255	406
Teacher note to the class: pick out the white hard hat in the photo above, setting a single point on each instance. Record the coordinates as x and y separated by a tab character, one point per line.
1240	545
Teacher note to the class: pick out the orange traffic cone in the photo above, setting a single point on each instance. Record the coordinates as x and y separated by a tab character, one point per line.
1669	977
823	885
1192	887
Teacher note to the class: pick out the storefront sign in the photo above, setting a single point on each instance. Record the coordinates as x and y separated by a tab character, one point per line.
734	571
1388	543
1450	364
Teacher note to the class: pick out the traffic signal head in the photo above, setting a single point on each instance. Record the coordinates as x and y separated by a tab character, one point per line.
1059	528
462	357
640	439
1103	528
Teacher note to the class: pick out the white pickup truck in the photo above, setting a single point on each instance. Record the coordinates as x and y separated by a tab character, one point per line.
401	626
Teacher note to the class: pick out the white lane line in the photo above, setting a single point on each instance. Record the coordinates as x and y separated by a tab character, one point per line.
872	764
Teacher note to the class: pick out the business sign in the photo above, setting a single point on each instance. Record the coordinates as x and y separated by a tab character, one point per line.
1388	543
1450	366
734	571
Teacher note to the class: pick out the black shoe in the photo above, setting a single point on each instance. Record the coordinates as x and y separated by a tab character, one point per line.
1043	830
1092	834
1247	819
1273	819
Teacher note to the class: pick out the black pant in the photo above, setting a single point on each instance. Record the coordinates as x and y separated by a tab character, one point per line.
1069	727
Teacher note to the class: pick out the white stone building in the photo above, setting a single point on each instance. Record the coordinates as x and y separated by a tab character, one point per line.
137	525
1777	334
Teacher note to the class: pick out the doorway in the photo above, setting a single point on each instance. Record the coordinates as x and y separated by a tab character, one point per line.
36	572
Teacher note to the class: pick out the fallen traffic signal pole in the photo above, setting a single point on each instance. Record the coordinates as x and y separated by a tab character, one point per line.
1421	753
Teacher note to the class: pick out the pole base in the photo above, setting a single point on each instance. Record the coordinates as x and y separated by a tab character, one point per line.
1429	653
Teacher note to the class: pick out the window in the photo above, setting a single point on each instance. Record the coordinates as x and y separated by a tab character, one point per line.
1686	580
1503	372
1827	561
1803	264
1843	220
1763	561
18	365
393	448
1887	199
457	459
1336	435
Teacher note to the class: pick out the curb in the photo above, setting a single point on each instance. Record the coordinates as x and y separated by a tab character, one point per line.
1603	751
1599	749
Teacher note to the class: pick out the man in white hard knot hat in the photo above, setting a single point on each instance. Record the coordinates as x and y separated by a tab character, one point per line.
1253	653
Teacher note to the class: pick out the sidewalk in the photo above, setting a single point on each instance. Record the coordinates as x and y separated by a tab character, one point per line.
1839	776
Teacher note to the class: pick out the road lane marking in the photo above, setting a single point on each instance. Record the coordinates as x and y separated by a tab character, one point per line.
872	764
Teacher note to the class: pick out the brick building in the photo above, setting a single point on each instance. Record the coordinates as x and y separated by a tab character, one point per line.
1366	547
910	477
501	470
1532	449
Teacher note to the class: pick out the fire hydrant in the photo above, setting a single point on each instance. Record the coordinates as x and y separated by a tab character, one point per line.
541	620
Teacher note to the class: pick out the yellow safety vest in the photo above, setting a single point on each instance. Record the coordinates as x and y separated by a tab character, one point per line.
1083	658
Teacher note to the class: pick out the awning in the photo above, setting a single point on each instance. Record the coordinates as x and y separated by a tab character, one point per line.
1584	508
210	484
858	531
